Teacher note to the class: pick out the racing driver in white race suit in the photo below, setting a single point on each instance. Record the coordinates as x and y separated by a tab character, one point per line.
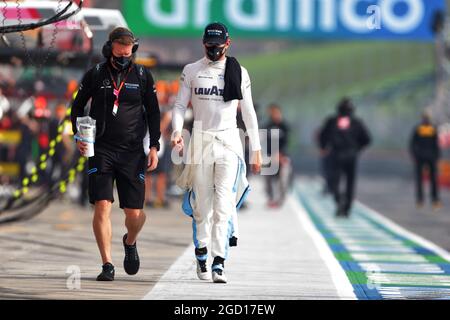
215	85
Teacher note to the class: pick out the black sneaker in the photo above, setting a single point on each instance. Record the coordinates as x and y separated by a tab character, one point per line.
107	273
131	261
340	210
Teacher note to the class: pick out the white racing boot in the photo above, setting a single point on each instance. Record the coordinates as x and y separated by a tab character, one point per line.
218	275
202	270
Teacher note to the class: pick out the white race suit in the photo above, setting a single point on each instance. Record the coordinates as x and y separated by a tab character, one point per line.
214	176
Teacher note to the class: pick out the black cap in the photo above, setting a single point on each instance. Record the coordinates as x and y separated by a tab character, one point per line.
345	107
216	33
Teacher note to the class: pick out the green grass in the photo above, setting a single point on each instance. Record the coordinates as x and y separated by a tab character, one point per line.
356	68
390	83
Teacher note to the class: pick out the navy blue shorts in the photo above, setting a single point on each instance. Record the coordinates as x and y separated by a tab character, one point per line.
127	169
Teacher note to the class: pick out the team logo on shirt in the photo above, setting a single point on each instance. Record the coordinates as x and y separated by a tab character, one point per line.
132	86
214	91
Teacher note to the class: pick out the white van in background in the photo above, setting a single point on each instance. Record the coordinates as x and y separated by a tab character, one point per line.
66	35
101	22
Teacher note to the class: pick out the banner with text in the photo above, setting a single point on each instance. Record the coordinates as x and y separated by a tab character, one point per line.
309	19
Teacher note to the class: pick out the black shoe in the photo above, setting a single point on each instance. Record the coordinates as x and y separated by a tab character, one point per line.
347	213
340	213
131	262
341	210
107	273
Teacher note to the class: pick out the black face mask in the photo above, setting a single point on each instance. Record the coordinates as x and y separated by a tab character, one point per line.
214	53
121	63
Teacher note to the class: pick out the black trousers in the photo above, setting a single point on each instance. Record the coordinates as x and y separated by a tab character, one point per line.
346	169
421	164
272	184
327	172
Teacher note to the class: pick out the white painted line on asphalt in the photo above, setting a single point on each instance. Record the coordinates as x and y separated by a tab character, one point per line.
409	280
405	233
413	293
186	260
401	267
400	257
379	249
338	275
349	242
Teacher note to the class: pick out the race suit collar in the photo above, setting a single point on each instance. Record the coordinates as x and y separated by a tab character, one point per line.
219	63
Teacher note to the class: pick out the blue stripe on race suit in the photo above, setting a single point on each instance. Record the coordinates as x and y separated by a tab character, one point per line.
217	267
243	197
91	171
230	228
187	209
202	257
194	233
237	175
229	234
186	204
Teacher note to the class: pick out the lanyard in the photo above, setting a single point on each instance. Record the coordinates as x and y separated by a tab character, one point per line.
117	90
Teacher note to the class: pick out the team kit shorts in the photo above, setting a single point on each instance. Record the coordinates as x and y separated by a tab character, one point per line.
126	169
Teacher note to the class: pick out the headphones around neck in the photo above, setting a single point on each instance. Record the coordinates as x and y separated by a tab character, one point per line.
107	47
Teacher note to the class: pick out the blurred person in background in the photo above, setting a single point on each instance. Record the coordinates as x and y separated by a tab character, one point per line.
63	150
29	128
425	151
7	151
326	165
160	175
4	104
125	106
72	87
6	123
277	129
215	85
343	137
